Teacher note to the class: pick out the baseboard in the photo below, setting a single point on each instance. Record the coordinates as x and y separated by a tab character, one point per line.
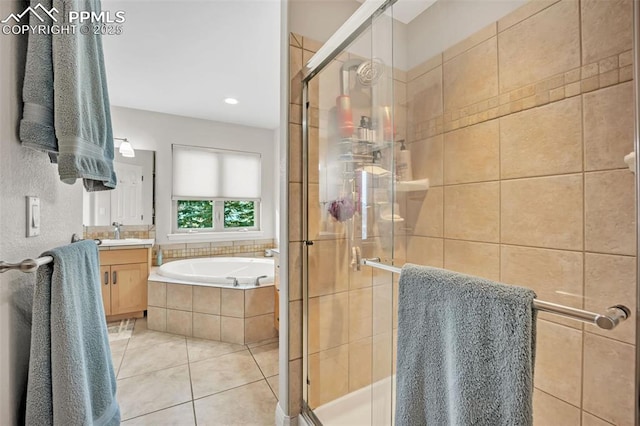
283	420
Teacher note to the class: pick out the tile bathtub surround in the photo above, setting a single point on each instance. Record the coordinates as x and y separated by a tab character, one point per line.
530	187
223	314
242	248
169	379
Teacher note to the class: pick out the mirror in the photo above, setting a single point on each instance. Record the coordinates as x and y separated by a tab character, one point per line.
133	200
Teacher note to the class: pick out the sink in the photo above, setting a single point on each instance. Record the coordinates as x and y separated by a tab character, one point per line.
126	242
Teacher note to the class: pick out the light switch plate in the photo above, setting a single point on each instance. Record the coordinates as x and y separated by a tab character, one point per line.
33	216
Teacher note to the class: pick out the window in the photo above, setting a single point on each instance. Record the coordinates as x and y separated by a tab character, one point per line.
215	190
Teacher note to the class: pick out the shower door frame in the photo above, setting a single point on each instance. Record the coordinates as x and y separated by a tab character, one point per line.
310	73
636	146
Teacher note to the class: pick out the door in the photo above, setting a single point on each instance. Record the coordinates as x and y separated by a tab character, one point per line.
126	199
128	288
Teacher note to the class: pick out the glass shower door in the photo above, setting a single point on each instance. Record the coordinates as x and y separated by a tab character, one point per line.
350	216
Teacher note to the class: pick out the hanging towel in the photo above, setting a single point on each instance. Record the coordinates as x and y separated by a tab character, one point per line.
36	126
71	378
466	350
65	90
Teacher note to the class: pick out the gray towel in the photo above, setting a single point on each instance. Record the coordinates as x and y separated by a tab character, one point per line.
65	87
466	350
71	378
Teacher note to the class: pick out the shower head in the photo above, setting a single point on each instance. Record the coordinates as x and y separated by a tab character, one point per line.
367	72
370	71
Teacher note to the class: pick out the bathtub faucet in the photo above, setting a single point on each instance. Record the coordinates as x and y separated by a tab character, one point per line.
258	280
235	281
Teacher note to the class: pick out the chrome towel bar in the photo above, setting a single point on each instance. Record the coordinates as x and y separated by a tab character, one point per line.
613	316
30	265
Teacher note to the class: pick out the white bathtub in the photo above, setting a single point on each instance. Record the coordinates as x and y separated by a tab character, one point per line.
216	271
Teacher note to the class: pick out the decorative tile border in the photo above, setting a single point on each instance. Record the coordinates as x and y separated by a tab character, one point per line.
126	231
247	248
607	72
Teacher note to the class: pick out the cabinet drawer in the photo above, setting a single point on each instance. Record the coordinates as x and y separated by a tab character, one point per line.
121	257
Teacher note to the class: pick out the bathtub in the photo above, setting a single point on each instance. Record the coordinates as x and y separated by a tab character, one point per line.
196	298
219	271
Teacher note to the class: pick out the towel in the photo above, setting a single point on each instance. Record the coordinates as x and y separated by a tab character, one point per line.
71	378
65	90
36	126
466	350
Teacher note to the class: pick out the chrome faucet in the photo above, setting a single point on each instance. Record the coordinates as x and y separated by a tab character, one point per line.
258	280
116	235
235	281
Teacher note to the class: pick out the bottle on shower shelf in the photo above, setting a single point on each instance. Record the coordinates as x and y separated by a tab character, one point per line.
403	164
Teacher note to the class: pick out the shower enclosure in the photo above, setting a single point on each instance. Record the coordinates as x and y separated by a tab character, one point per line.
482	137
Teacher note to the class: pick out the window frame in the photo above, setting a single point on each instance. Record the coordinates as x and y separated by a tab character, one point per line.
218	217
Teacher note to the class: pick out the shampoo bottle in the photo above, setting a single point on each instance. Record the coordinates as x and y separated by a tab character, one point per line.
403	164
159	257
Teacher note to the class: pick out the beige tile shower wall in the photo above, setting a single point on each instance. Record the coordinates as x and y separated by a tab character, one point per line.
521	130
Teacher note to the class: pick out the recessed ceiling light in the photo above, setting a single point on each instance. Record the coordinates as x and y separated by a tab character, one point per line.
231	101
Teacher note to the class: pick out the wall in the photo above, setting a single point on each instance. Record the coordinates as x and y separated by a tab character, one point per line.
521	129
23	172
157	131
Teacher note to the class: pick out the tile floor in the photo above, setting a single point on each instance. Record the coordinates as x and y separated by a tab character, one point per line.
166	379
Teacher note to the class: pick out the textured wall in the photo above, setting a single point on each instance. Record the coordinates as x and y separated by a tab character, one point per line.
23	172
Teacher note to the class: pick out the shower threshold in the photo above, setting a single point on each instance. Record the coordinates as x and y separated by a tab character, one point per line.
370	405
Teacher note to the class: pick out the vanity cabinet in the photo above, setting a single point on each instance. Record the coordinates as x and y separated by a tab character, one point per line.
123	274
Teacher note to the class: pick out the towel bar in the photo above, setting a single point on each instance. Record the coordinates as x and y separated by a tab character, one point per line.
30	265
613	316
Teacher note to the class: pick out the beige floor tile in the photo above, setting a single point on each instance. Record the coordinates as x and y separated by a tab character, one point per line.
116	359
267	358
118	345
200	349
263	342
150	358
153	391
274	384
146	338
180	415
253	404
223	373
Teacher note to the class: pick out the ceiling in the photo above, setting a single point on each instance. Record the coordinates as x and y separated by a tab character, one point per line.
185	57
406	10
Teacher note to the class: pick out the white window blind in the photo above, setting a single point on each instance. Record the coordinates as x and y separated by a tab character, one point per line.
204	173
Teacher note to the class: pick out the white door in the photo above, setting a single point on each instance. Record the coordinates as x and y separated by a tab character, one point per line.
126	199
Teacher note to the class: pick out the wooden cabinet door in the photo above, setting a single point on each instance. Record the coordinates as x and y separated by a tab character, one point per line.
128	288
105	281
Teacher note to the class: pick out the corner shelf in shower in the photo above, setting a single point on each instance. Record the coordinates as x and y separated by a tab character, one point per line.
412	185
